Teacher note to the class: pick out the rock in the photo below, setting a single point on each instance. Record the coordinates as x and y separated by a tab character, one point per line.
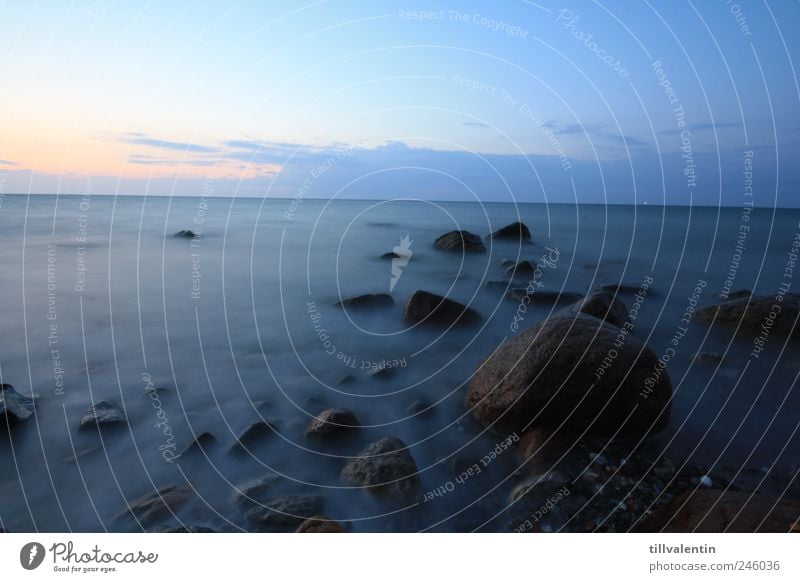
546	484
750	313
103	413
496	284
513	231
540	297
387	468
555	372
521	268
160	504
368	301
460	240
542	446
347	379
738	294
427	307
319	524
507	262
286	510
249	437
332	421
15	407
383	372
716	511
394	255
204	441
255	491
622	288
707	358
185	234
604	306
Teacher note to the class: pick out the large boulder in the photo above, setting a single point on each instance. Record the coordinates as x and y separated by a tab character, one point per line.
15	407
572	371
423	306
330	422
286	510
751	313
103	413
386	468
513	231
460	240
714	510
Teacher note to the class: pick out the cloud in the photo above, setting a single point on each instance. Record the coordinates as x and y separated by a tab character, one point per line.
702	127
144	140
476	124
7	163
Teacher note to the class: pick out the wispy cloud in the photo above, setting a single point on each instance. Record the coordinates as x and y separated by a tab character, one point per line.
7	163
698	127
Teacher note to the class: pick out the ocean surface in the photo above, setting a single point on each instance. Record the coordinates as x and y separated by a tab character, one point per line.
100	301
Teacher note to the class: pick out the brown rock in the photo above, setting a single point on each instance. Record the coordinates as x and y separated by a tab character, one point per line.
332	421
603	305
386	468
562	371
750	313
713	511
319	524
427	307
513	231
460	240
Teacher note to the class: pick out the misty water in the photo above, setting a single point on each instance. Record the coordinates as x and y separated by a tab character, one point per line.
239	325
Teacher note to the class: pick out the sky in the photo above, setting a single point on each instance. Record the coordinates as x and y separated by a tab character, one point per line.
666	102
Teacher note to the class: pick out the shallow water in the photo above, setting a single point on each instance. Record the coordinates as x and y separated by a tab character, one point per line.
223	325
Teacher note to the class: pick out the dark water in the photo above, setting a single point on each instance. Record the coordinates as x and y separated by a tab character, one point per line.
238	344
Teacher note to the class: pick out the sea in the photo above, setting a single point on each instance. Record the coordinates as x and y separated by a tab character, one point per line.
208	334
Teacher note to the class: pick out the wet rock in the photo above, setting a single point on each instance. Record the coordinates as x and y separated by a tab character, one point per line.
604	306
255	491
159	505
347	379
750	313
368	301
103	413
497	284
560	371
426	307
286	510
185	234
15	407
544	485
385	468
738	294
393	255
513	231
622	288
420	407
319	524
460	240
713	510
332	422
521	268
507	262
203	442
250	437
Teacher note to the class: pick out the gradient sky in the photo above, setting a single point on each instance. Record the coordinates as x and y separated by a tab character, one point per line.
500	101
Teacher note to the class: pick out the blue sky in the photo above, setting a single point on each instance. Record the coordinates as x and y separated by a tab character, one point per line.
518	100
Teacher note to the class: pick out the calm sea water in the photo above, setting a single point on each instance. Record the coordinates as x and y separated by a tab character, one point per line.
100	301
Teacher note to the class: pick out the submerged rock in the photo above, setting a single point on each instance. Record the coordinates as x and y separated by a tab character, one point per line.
394	255
571	370
286	510
716	511
540	297
368	301
460	240
332	421
255	491
427	307
513	231
521	268
185	234
158	505
203	442
15	407
254	433
319	524
751	313
103	413
386	468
